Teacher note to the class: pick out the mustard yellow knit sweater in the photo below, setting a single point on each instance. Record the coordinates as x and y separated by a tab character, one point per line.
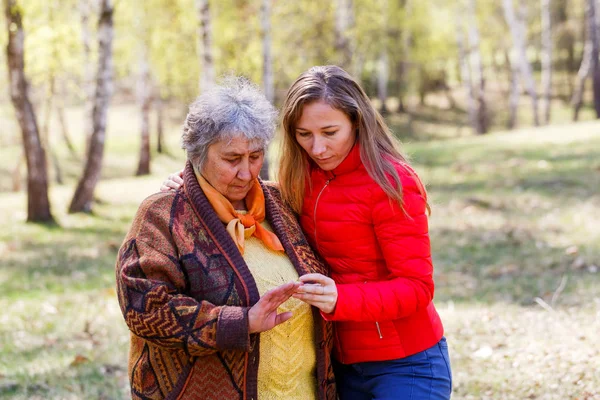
287	367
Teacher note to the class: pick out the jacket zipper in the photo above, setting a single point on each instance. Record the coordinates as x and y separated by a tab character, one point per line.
377	326
315	209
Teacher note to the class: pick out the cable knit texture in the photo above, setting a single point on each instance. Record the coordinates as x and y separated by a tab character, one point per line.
380	259
185	290
287	353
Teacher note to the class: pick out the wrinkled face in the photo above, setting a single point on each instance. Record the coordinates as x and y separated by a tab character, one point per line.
325	133
231	167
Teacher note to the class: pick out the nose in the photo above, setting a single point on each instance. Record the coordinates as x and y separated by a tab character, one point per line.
244	173
318	147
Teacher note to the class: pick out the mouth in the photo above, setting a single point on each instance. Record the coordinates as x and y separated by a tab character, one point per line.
322	160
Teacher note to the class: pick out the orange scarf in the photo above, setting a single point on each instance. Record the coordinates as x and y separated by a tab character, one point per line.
242	226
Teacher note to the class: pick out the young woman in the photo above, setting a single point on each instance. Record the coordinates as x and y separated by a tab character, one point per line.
364	209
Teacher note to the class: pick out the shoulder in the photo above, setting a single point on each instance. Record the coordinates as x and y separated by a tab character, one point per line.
155	212
157	203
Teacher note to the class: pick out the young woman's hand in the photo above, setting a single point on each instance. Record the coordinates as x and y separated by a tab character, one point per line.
263	315
319	291
173	182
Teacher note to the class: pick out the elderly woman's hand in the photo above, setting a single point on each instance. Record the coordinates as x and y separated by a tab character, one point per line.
319	291
263	315
173	182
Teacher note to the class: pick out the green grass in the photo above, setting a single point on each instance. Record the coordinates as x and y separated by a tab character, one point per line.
516	244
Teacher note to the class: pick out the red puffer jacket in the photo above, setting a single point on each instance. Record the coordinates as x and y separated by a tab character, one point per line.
380	259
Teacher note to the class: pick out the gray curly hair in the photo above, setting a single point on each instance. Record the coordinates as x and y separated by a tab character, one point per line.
234	108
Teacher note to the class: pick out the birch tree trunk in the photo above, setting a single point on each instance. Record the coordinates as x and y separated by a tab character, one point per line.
38	204
344	22
160	124
582	75
84	193
513	102
267	71
404	64
85	8
519	35
383	79
546	59
465	74
267	50
481	124
205	51
592	17
145	101
62	120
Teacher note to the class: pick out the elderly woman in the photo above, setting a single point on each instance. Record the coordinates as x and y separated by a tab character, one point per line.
206	273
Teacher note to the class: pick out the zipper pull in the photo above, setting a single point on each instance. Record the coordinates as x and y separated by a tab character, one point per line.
376	323
378	330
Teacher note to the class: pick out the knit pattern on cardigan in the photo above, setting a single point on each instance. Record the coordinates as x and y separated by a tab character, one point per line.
185	290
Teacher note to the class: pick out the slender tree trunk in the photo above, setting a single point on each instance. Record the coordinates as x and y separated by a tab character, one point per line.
64	127
383	79
344	22
546	59
481	125
592	18
145	100
84	194
267	51
85	8
205	51
465	75
519	33
160	125
404	64
585	69
267	70
513	101
38	203
46	142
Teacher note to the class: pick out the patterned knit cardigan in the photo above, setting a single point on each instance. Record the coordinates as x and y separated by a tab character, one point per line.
185	290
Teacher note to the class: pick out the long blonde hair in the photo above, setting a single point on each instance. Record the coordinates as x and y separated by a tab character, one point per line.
378	149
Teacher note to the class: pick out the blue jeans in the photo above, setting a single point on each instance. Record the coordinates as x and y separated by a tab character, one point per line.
422	376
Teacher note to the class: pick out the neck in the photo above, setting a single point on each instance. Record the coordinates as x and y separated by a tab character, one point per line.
239	205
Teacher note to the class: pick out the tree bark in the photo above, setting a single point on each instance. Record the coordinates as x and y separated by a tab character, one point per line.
481	123
383	79
84	194
513	102
465	74
267	50
519	34
344	22
38	203
62	120
546	59
160	125
592	18
588	63
205	51
145	101
404	65
85	7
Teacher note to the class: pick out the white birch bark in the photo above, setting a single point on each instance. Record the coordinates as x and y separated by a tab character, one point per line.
205	50
84	193
519	36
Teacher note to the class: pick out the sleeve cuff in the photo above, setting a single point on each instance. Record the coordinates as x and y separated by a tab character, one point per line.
232	329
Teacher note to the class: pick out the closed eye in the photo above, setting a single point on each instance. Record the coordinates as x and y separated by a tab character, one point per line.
302	133
330	133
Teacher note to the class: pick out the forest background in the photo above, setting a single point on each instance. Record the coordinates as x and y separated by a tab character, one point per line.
496	102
